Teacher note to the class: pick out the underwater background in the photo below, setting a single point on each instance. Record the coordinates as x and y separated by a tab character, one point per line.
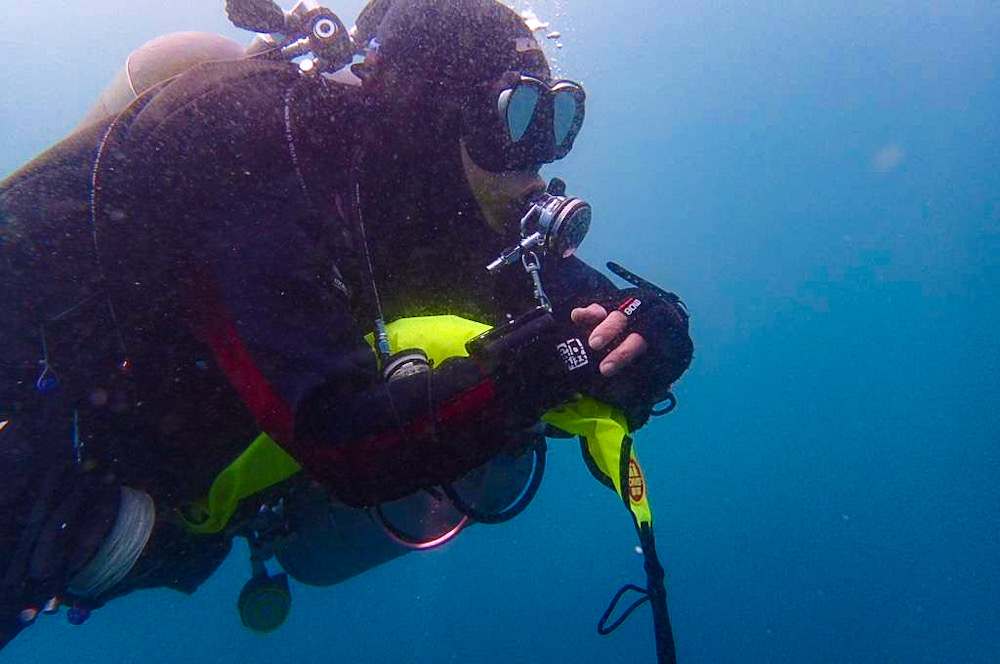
820	182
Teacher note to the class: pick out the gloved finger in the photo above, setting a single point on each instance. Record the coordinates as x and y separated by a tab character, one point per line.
623	354
589	316
608	329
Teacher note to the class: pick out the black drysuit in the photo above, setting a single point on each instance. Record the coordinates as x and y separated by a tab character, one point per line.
189	273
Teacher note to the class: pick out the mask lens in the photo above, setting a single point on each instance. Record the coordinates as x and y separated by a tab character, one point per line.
521	104
564	111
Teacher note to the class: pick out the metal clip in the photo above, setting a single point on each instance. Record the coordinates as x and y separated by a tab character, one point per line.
534	267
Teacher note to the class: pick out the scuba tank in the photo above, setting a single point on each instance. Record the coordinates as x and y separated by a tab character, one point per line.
156	61
308	29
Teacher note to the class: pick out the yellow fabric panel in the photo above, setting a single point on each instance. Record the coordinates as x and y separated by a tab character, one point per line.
262	464
440	337
604	429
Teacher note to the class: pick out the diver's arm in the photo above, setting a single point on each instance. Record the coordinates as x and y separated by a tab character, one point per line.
291	349
392	439
371	441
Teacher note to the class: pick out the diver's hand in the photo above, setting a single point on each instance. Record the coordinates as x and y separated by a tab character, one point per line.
648	329
606	328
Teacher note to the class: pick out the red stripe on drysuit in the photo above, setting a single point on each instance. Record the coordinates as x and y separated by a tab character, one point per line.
218	332
460	409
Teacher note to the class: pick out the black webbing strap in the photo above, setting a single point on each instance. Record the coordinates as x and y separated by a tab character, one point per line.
655	593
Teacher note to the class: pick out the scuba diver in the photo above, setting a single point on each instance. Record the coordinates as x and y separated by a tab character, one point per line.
204	265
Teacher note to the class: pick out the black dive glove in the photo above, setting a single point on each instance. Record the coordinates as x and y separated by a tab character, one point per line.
662	320
537	363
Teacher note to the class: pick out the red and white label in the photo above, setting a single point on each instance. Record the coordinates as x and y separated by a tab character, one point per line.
629	306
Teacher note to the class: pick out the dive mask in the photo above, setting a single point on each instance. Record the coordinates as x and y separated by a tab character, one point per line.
528	122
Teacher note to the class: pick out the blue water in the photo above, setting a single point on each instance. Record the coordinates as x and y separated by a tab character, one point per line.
820	183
